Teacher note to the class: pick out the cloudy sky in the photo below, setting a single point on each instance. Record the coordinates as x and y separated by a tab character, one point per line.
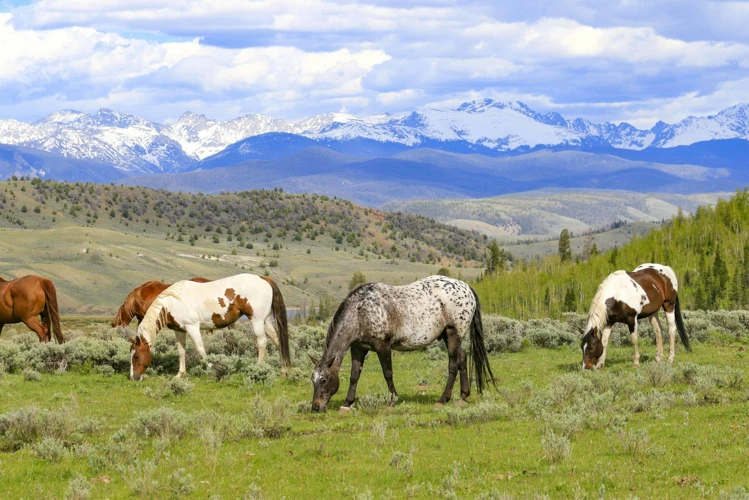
618	60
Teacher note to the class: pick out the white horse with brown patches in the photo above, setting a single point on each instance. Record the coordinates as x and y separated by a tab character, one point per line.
187	306
625	297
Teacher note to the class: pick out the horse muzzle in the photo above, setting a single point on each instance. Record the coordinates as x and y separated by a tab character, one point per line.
319	407
136	378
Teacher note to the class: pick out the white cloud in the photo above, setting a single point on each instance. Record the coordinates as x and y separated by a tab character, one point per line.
620	60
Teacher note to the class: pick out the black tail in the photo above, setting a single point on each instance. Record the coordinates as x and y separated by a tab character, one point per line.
479	360
680	325
279	314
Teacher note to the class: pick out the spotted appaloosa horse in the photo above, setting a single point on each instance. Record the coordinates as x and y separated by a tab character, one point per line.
186	306
625	297
23	299
381	317
139	300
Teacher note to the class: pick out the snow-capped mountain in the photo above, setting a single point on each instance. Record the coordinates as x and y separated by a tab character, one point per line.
135	145
129	143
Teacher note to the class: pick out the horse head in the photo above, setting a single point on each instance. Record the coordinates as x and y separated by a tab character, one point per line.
140	357
592	348
325	381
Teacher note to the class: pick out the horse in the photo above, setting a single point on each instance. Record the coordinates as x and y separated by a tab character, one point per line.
625	297
186	306
380	317
23	299
139	300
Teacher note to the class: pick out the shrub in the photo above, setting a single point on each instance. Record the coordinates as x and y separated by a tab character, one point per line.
28	425
180	483
370	404
50	448
484	411
104	370
179	387
78	488
659	374
161	422
556	447
258	373
31	375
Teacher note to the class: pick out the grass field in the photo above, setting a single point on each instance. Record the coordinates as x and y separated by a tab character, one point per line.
549	430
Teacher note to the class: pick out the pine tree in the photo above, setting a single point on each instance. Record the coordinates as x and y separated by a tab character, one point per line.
614	255
593	250
570	300
565	249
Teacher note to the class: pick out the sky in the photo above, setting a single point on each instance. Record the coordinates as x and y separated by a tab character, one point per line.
638	61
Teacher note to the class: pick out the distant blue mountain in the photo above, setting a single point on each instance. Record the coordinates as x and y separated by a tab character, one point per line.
21	161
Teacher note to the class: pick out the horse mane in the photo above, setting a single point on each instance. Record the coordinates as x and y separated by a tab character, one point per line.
598	315
337	318
340	312
156	316
2	280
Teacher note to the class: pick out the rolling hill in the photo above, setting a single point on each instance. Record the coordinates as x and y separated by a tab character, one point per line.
97	242
544	213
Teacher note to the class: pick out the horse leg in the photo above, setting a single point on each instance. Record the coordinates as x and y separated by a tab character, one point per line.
465	385
658	338
47	322
181	339
605	335
194	332
633	331
258	327
357	362
38	328
671	320
270	331
452	340
386	361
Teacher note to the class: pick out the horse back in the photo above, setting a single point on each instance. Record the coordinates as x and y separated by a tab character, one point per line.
658	287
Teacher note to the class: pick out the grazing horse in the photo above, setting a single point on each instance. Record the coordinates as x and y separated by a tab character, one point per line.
137	303
625	297
23	299
186	306
381	317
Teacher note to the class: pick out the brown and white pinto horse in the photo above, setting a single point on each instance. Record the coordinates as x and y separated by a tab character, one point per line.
625	297
186	306
23	299
137	303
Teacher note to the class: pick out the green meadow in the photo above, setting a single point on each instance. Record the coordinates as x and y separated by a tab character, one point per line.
73	426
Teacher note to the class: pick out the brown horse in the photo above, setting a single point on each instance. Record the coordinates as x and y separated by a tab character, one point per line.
627	297
23	299
137	303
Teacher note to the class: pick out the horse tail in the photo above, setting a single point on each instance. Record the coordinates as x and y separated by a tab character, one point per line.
50	304
680	325
279	315
479	362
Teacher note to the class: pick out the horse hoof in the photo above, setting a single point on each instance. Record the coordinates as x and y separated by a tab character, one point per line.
461	403
344	409
439	406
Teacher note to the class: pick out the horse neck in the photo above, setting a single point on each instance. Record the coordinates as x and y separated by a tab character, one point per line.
153	322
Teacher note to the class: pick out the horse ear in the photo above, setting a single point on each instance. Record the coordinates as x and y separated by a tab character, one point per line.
132	340
595	332
313	359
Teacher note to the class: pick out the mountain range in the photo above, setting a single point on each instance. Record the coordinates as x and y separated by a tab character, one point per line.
134	145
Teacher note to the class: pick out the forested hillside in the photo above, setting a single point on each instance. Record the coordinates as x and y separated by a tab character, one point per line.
709	252
271	216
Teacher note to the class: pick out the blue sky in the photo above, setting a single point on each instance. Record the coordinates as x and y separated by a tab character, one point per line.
621	60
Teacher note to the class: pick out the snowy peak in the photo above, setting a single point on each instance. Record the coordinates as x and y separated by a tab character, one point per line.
136	145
